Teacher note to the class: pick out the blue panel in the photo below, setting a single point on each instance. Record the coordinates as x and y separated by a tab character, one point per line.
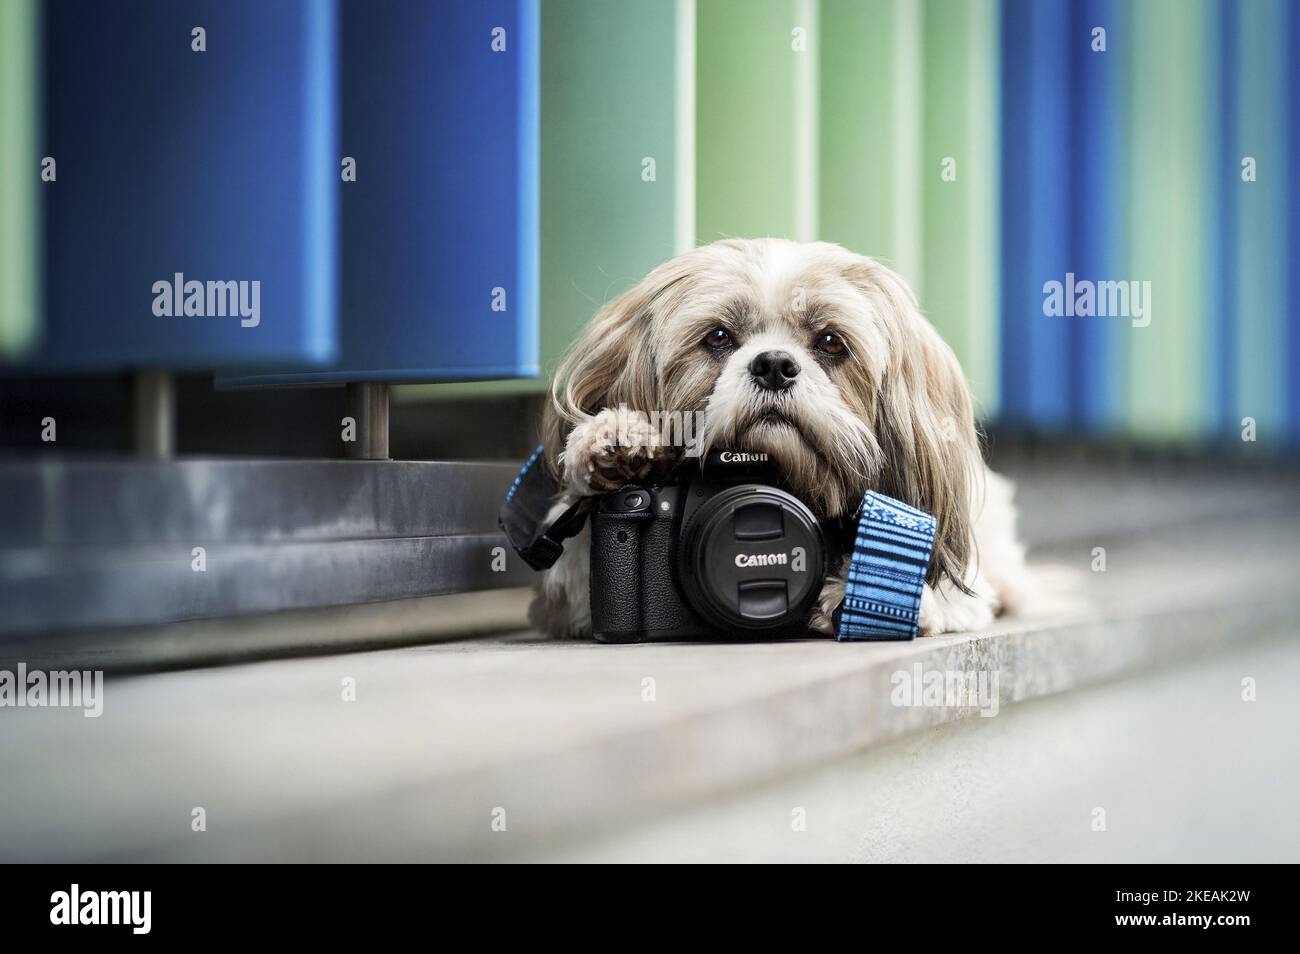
1035	209
218	165
1098	227
443	211
1293	223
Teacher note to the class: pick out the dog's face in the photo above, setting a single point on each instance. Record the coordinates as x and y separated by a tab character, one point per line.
807	352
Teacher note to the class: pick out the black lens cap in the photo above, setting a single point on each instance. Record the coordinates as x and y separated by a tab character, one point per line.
751	559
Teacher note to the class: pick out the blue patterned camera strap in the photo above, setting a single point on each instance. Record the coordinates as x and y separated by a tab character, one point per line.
891	555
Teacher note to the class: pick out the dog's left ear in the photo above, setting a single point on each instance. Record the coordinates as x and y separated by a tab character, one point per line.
612	362
925	422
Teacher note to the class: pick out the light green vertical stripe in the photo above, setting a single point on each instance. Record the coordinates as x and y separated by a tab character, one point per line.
20	233
685	119
610	75
983	233
960	229
1168	223
1260	319
908	69
748	120
806	118
870	129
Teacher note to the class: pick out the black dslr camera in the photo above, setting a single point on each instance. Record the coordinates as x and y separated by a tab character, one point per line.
725	550
722	552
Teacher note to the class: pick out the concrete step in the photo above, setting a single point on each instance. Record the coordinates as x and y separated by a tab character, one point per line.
561	741
93	546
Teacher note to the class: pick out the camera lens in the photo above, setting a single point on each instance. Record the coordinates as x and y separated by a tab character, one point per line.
752	560
633	501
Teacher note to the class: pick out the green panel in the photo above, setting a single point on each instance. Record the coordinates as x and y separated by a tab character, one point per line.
609	100
1168	225
870	130
19	176
1260	319
960	238
903	86
756	112
980	351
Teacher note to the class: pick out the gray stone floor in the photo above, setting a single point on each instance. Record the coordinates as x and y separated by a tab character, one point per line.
1183	768
698	750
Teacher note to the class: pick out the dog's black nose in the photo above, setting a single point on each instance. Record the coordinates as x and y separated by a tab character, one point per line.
774	370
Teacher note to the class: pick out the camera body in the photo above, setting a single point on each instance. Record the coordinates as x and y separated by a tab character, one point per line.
724	552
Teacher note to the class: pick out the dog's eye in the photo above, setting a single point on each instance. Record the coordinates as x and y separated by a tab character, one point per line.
718	338
830	343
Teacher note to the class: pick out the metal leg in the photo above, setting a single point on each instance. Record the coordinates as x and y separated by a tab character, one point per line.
368	404
153	414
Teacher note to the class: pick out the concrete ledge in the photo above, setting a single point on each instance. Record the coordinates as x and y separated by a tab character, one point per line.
94	544
561	736
304	632
1170	756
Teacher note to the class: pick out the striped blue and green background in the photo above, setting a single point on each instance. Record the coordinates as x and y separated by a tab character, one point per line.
832	119
1115	165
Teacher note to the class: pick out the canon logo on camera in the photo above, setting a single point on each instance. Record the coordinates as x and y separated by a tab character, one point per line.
797	559
740	457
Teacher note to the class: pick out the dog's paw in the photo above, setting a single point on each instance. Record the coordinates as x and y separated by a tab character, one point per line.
832	595
952	611
609	450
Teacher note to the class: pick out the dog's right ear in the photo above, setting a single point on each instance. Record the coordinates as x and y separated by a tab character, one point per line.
613	362
925	422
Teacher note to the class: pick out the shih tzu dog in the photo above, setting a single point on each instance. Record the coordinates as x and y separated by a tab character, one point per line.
815	356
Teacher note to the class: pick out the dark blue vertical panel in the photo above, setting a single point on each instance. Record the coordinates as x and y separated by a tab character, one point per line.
443	128
217	165
1014	75
1097	240
1293	223
1035	209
